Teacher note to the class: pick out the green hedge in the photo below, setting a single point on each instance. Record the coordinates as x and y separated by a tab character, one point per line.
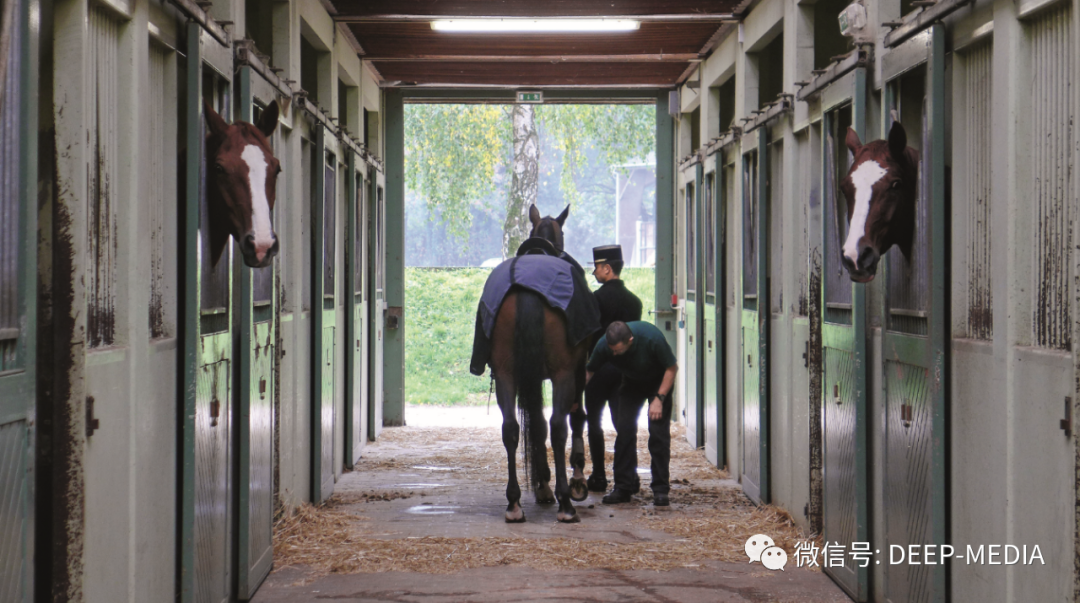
440	310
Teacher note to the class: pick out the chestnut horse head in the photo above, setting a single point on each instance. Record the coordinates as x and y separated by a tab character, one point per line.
548	228
241	185
881	188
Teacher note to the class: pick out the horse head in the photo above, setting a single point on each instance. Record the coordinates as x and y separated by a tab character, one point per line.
241	184
881	188
548	228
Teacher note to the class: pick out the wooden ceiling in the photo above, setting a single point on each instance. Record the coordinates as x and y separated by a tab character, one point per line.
396	36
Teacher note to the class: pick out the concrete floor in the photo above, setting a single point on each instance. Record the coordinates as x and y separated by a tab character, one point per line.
448	502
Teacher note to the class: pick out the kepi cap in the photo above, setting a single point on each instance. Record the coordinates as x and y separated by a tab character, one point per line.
607	254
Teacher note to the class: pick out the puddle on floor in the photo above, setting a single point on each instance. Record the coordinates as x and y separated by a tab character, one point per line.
418	486
433	509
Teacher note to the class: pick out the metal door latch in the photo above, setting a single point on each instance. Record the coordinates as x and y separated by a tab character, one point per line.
92	424
836	393
710	344
906	415
262	389
749	360
806	355
1066	423
215	411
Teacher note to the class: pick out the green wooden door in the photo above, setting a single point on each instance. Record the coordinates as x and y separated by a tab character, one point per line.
18	271
712	419
755	326
843	354
914	341
323	274
377	308
256	365
356	419
693	326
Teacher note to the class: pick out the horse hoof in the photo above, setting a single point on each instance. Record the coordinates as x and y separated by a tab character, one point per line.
579	490
544	495
515	516
567	517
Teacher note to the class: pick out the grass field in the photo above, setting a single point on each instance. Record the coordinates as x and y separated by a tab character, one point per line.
440	310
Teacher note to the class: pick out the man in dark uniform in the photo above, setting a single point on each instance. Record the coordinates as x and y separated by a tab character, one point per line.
616	303
643	356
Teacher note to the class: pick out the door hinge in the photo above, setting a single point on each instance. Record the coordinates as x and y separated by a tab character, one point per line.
806	355
92	424
215	411
906	414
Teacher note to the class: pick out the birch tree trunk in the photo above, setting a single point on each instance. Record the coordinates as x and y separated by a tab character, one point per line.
523	188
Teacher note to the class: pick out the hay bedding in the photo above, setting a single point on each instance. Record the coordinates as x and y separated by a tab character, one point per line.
710	520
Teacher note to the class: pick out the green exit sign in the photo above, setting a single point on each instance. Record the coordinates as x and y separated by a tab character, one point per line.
530	97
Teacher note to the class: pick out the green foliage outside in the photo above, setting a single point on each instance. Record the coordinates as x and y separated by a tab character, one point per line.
454	154
440	311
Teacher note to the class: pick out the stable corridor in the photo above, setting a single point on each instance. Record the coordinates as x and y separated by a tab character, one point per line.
420	519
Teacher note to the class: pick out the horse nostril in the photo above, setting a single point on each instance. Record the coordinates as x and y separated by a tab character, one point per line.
867	257
249	243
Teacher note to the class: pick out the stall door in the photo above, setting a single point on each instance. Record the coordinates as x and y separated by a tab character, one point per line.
915	436
692	396
755	418
377	309
213	402
843	341
255	342
710	335
324	275
356	341
17	324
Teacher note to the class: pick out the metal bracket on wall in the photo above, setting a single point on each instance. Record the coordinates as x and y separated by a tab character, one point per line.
394	317
92	424
1067	422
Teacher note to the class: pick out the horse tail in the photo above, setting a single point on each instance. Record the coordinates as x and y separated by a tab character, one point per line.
529	368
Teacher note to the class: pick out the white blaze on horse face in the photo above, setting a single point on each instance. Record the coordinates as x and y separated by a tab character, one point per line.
260	206
864	178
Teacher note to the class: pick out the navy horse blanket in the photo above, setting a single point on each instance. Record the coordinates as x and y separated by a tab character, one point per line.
561	284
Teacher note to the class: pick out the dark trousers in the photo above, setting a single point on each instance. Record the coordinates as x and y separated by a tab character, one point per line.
600	389
626	405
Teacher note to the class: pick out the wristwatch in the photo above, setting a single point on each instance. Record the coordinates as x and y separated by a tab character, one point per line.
663	397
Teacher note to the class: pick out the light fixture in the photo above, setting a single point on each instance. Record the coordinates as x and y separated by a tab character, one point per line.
534	25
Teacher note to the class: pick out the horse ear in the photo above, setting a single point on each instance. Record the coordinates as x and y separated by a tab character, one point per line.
897	141
562	217
534	215
852	141
214	122
268	119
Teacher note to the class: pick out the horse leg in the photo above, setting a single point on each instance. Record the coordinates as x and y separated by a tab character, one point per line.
579	488
504	392
564	389
541	477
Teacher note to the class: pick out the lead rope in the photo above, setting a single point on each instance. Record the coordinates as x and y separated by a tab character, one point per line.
489	394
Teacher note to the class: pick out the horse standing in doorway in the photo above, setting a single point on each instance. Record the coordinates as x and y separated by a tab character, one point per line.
881	189
241	184
529	344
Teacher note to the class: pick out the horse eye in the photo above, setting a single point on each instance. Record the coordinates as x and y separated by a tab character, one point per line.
219	168
895	184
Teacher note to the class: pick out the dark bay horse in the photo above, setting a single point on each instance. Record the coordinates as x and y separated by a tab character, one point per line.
529	344
881	189
241	185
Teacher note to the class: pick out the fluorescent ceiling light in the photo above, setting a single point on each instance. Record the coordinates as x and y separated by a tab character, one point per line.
534	25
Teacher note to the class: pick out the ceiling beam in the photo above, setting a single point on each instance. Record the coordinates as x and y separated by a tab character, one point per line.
579	58
678	18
